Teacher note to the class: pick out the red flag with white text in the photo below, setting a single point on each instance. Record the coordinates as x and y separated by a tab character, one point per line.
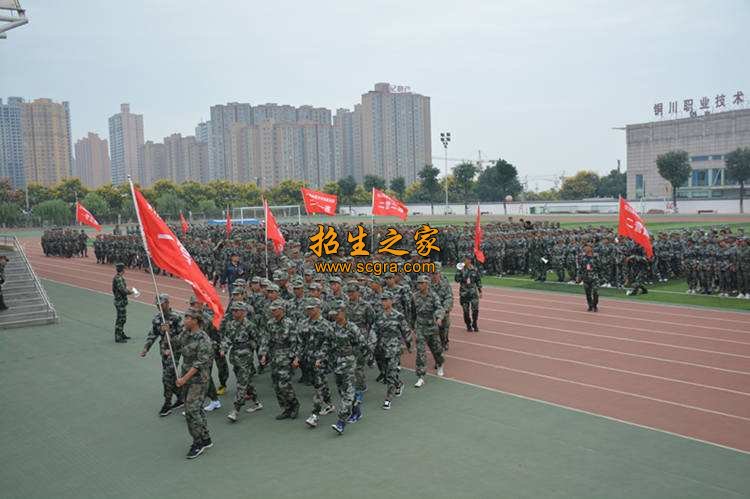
184	224
169	254
229	223
319	202
273	233
478	253
84	216
632	226
383	204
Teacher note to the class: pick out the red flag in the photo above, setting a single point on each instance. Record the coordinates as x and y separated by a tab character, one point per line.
632	226
229	223
169	254
272	230
319	202
84	216
383	204
184	224
478	253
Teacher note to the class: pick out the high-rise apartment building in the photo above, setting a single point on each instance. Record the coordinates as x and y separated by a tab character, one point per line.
126	146
244	150
155	162
92	161
47	150
11	143
183	158
395	132
343	139
223	116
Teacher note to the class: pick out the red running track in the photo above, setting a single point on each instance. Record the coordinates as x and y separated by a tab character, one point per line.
680	370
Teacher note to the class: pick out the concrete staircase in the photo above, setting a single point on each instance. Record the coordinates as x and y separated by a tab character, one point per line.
24	295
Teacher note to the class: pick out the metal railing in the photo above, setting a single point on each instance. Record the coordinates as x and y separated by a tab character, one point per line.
12	241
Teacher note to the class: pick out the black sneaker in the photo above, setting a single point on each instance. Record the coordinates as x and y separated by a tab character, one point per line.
207	444
283	415
179	403
294	412
165	410
195	451
476	329
125	336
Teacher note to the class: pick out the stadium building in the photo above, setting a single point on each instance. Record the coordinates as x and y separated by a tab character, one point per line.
707	139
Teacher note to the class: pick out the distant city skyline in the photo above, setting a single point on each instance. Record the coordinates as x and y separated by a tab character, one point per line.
538	84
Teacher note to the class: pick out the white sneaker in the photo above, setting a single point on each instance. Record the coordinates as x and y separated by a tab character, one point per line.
419	383
255	407
312	421
327	410
440	371
212	406
232	416
386	405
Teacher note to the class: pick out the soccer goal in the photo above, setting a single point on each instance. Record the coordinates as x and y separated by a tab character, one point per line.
283	213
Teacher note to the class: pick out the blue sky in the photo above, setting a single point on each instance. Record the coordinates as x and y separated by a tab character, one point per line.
538	83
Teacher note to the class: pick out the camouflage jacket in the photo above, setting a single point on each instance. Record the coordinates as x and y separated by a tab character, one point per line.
175	328
120	289
340	347
280	342
312	334
445	293
239	336
391	329
427	309
470	282
197	352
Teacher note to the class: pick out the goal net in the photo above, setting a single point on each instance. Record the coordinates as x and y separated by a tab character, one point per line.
282	213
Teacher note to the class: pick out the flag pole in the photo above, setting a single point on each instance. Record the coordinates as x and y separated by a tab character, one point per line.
372	222
153	277
265	223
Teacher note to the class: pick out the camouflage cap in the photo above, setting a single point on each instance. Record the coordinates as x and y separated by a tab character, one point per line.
119	266
255	280
265	282
387	295
240	282
273	287
237	290
335	279
276	304
388	275
351	287
336	306
278	275
163	297
194	314
315	285
308	272
238	305
318	277
438	267
312	303
423	278
297	282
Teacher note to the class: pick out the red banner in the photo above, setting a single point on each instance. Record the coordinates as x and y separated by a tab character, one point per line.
478	253
184	224
169	254
319	202
383	204
84	216
632	226
273	233
229	223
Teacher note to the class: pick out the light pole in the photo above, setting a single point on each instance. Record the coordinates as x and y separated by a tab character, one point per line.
445	138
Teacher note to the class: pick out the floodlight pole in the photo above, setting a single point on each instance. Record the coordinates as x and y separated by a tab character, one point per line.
445	138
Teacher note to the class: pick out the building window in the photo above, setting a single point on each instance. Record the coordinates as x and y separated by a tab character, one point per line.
700	178
715	177
640	187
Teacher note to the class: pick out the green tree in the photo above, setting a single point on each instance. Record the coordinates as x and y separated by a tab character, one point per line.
169	205
413	192
613	185
347	188
464	174
583	184
96	205
429	185
286	193
163	186
111	196
498	181
8	195
674	167
249	194
38	194
549	195
332	188
207	208
398	186
738	170
53	212
375	181
361	196
10	214
192	192
223	193
69	190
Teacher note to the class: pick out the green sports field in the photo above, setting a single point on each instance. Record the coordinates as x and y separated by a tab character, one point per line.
79	420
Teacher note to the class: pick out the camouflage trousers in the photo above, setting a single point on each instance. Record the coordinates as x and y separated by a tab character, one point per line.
321	392
743	281
344	376
428	338
392	380
242	364
169	378
281	377
360	373
470	307
195	416
445	329
122	316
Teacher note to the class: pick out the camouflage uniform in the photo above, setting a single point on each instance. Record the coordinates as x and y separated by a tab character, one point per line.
197	352
168	375
427	309
392	330
362	315
316	333
338	350
588	272
280	345
240	342
470	281
120	292
445	293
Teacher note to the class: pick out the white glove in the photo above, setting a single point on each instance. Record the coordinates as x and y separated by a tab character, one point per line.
136	293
